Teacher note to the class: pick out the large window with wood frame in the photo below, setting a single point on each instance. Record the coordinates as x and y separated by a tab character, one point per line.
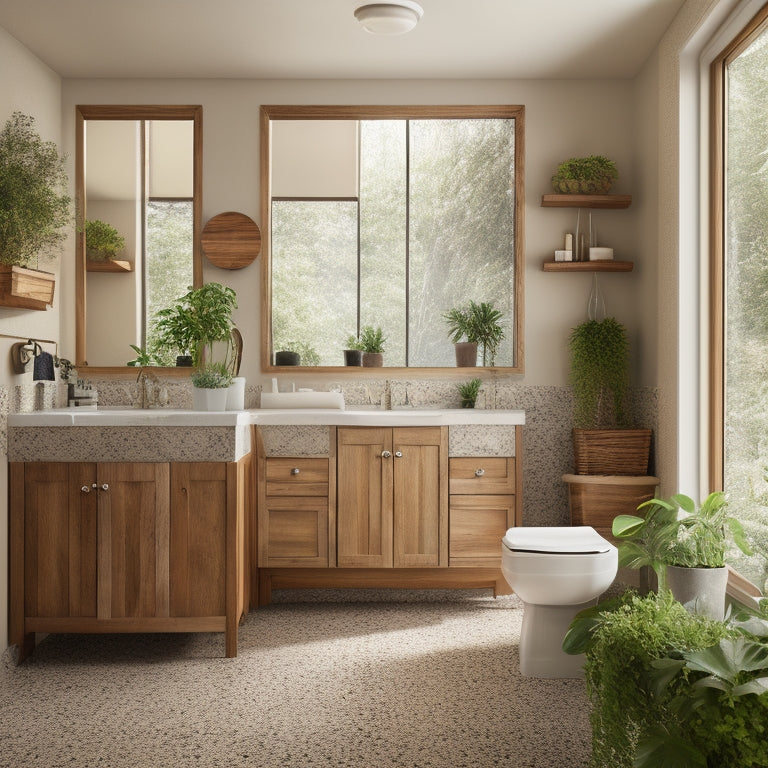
739	455
389	217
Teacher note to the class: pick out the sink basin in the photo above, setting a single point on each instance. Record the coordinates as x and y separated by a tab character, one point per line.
290	400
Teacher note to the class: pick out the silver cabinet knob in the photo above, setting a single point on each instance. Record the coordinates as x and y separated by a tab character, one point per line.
398	454
479	472
386	454
85	489
295	471
105	486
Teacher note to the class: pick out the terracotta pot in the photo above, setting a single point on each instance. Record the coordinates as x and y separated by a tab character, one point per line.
373	359
466	354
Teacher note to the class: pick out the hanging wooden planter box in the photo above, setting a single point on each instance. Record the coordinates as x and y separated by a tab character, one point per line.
26	288
612	451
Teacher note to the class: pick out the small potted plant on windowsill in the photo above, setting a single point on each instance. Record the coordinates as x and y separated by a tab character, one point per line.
353	353
481	325
198	322
372	341
34	208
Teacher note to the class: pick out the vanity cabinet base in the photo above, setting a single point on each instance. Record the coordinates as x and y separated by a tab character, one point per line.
135	547
379	578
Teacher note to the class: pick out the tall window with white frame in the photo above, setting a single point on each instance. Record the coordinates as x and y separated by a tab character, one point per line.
740	280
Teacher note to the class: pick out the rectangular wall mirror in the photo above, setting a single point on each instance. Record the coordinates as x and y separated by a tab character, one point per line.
389	217
139	171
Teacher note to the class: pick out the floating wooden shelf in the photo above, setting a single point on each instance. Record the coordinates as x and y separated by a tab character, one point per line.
586	201
108	266
588	266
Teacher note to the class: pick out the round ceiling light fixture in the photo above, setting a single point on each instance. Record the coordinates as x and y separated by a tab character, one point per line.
394	18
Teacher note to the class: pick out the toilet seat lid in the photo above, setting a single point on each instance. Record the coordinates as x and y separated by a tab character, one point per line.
568	540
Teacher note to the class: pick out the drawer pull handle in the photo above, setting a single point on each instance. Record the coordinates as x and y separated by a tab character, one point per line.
295	471
386	454
479	472
85	489
398	454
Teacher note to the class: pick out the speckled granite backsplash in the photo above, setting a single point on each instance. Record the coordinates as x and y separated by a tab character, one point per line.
547	446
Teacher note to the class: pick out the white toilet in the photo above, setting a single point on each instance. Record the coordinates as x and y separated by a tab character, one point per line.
556	572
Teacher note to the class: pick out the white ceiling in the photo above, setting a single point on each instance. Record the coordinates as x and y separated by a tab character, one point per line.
322	39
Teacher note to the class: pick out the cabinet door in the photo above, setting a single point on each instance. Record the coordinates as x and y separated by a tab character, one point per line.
364	516
133	530
198	539
293	532
60	516
420	497
477	526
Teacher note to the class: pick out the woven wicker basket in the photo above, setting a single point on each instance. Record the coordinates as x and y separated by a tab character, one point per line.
612	451
597	500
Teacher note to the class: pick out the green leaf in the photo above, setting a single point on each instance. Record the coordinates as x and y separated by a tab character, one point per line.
757	686
684	502
661	748
730	657
627	525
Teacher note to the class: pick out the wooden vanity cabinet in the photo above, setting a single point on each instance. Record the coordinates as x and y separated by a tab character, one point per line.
392	497
134	547
483	506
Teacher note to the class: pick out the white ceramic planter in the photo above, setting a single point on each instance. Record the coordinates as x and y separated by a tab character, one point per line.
209	399
700	590
236	394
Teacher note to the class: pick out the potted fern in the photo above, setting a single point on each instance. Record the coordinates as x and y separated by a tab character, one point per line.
605	443
372	341
34	208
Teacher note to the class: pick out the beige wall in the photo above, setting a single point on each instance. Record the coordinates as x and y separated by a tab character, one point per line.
27	86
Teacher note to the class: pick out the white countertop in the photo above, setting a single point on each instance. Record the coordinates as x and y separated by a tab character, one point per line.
168	417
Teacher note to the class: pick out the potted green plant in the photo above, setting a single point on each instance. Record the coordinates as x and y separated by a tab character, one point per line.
210	384
102	241
34	208
604	441
481	324
468	392
372	341
198	322
685	545
593	175
648	713
353	353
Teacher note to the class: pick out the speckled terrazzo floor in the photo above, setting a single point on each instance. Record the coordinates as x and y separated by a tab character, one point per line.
357	682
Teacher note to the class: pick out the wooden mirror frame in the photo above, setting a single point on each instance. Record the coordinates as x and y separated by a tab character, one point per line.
326	112
131	112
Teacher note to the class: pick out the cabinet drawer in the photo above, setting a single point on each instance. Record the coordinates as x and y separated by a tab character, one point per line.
484	474
476	526
297	477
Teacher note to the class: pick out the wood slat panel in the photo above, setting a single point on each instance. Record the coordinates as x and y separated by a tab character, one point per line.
477	526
